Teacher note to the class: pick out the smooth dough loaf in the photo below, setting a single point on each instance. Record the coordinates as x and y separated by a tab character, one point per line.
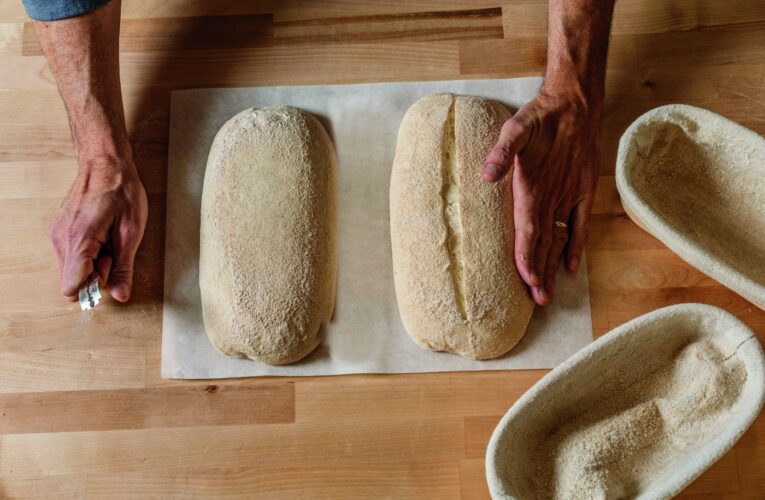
267	255
452	233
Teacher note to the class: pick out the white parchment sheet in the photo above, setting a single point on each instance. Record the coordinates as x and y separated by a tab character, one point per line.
366	334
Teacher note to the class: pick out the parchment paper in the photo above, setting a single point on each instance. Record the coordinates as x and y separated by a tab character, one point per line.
366	334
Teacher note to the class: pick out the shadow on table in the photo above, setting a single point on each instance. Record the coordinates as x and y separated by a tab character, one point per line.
184	52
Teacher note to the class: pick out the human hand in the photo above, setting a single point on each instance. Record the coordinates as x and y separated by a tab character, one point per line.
550	147
100	225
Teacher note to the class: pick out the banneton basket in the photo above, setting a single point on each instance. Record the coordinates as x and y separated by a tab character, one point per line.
634	350
696	181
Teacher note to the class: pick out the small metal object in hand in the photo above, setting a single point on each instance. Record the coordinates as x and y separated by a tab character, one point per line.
90	295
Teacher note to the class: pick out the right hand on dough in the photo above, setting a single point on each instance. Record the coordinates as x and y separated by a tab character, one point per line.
100	225
550	148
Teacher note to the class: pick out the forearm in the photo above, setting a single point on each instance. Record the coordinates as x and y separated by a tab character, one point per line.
83	54
578	34
100	224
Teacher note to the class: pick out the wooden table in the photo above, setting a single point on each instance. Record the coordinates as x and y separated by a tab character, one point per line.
84	410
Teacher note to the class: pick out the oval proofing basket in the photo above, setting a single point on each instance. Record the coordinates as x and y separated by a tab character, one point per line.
639	413
696	181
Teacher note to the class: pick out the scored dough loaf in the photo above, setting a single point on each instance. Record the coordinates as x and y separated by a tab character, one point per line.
452	233
267	255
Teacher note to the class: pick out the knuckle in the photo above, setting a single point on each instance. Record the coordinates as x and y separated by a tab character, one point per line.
505	152
76	227
561	236
535	196
129	230
528	208
139	210
73	232
122	270
529	231
512	127
136	219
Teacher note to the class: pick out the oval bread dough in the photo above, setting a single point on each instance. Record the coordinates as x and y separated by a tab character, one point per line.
267	237
452	233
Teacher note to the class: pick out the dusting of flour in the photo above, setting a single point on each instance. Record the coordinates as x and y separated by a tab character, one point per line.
617	447
706	180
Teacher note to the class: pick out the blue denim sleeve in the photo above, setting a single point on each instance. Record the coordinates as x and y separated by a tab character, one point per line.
53	10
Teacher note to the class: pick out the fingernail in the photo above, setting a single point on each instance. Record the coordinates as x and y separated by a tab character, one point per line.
120	293
542	294
574	265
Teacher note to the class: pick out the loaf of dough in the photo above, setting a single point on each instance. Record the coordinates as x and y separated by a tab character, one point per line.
452	233
267	238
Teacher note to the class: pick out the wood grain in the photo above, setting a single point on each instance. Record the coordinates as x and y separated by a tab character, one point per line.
84	412
413	26
339	442
298	480
206	404
442	395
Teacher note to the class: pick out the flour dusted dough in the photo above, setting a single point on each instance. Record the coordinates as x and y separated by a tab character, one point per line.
267	237
696	181
639	413
452	233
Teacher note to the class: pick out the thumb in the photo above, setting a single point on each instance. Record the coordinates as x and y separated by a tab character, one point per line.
125	240
501	158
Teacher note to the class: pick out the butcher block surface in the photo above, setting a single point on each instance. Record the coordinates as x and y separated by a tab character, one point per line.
83	409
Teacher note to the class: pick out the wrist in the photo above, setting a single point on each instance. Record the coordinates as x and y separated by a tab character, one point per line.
105	172
98	135
104	154
583	93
